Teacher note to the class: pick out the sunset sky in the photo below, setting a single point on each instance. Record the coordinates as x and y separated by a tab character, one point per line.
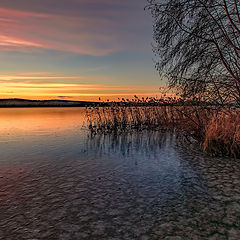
76	49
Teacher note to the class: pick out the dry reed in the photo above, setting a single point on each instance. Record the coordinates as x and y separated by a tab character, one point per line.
217	132
223	134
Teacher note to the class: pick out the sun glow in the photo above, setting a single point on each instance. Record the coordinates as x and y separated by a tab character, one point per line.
51	87
75	51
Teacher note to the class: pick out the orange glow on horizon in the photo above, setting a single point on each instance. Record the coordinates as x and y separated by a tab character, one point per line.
76	50
56	87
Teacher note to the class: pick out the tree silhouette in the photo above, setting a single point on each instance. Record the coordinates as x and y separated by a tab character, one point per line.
197	44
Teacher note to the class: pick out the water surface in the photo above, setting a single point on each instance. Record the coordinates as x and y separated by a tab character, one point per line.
59	182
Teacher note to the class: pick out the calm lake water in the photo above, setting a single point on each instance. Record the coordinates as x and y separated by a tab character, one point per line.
59	182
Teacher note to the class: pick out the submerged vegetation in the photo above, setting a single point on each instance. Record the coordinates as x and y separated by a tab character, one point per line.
216	128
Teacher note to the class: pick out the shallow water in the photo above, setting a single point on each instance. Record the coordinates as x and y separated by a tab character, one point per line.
58	182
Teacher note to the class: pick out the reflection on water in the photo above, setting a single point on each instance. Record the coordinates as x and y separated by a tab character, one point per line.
16	121
59	182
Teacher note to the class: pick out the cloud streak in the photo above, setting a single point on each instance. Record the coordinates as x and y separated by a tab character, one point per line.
80	28
74	48
19	77
7	41
12	86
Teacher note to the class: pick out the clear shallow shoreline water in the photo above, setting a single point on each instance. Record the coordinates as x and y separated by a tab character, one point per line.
58	182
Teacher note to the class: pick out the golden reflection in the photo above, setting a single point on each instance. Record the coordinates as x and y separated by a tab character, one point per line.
15	121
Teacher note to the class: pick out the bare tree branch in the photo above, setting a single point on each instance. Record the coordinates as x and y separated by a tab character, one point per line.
198	46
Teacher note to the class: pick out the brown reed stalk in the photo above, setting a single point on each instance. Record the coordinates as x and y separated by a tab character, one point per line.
223	134
217	131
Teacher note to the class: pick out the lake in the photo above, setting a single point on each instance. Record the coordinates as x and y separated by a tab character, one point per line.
59	182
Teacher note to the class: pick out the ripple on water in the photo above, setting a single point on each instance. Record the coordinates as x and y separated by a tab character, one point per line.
135	186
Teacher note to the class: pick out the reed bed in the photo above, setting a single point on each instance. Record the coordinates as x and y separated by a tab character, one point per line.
223	134
126	118
217	131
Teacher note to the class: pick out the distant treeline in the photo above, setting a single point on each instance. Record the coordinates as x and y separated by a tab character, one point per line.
136	102
43	103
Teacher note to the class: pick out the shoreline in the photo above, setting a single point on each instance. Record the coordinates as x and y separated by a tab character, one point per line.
25	103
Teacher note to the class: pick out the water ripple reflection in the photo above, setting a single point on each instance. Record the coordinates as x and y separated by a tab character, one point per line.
72	185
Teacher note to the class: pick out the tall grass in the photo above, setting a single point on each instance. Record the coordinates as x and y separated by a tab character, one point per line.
223	134
217	131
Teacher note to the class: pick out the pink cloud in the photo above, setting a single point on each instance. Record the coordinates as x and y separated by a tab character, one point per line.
7	41
98	36
9	13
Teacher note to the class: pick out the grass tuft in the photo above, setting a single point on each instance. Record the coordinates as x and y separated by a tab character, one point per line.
223	134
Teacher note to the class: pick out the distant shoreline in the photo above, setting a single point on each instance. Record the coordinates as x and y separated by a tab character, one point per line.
22	103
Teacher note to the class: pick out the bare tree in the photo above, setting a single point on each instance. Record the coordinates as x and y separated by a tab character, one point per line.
198	46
